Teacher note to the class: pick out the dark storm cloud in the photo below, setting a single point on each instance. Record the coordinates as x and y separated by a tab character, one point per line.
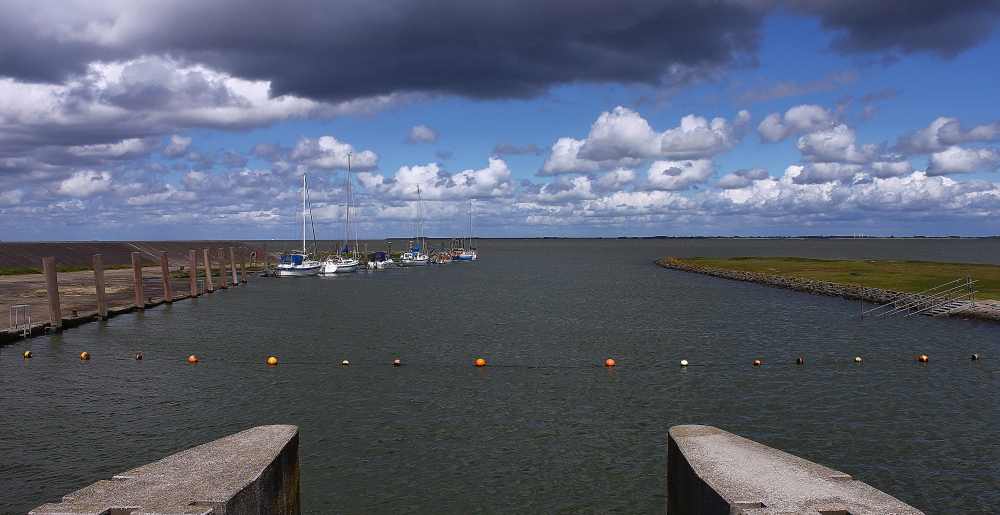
944	27
339	50
345	49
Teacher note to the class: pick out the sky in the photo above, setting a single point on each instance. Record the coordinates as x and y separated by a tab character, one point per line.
183	119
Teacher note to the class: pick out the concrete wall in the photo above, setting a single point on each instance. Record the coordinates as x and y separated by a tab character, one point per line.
714	472
253	472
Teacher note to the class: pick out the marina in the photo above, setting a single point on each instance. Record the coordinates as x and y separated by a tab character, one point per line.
544	426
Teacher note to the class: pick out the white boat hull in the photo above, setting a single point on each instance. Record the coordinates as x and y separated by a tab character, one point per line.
413	259
339	266
297	272
296	265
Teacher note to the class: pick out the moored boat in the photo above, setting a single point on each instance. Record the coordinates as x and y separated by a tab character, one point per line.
413	256
380	260
299	264
342	262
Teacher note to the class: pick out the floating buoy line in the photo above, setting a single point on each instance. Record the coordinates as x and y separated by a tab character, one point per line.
609	363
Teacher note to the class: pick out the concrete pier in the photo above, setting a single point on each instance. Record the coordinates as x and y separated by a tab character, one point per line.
711	471
254	472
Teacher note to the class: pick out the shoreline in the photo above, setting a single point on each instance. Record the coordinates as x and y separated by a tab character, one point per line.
980	310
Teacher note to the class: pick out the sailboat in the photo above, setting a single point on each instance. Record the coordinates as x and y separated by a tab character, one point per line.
467	252
341	262
297	265
413	256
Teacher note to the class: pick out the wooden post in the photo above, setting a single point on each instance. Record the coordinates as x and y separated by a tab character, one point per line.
224	284
137	281
165	268
232	266
102	303
52	290
209	287
192	266
267	260
243	263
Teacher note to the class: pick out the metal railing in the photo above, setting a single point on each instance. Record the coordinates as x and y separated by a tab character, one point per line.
945	298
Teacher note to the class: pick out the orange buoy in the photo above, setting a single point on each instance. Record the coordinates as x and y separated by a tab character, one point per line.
192	359
799	361
756	362
84	355
609	363
396	363
480	362
138	357
272	360
27	354
923	359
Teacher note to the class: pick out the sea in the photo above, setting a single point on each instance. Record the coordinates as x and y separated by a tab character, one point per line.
545	426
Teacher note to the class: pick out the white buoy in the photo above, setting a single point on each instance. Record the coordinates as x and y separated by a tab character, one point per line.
857	359
345	362
684	362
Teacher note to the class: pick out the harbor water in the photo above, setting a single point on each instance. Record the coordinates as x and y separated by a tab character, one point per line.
545	427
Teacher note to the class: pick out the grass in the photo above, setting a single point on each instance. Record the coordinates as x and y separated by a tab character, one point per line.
906	276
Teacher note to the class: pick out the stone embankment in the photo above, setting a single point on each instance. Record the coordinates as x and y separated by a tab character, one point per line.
986	310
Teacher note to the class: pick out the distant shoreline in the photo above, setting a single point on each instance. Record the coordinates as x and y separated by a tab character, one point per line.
982	310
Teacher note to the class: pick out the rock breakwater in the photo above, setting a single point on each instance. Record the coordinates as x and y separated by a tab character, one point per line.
987	310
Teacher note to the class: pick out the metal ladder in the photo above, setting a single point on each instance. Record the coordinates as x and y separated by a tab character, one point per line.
20	319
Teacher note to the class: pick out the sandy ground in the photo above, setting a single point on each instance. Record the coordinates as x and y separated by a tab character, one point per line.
77	292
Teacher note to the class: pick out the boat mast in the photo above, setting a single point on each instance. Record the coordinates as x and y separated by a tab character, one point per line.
303	213
420	221
347	223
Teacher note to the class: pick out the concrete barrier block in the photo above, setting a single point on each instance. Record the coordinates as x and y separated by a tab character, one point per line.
711	471
253	472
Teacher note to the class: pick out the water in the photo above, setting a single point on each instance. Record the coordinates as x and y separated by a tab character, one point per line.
545	427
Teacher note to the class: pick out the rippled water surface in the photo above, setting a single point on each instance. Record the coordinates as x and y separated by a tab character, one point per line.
545	427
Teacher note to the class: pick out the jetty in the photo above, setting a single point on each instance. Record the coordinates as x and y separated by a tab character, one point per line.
120	277
892	301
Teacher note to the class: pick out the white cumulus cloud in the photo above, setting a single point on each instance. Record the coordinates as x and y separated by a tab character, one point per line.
327	153
437	184
806	118
956	159
678	175
621	138
422	134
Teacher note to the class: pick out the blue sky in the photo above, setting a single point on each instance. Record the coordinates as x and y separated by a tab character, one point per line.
153	120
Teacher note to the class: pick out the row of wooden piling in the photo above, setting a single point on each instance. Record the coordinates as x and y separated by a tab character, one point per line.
238	276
